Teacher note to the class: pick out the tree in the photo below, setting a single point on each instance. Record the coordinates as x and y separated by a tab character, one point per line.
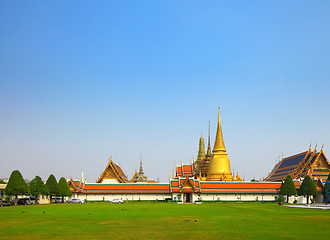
323	189
37	188
16	185
2	181
280	199
288	188
307	188
52	186
64	188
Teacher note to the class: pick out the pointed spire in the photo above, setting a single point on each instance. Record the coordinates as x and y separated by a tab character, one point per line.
209	152
201	150
219	145
141	169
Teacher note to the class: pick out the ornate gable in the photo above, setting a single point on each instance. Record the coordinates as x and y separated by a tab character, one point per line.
134	176
74	185
112	173
312	163
321	161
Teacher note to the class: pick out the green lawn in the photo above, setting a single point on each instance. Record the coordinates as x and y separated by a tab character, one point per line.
163	221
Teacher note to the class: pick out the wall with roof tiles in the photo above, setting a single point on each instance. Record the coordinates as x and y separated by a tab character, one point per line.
126	197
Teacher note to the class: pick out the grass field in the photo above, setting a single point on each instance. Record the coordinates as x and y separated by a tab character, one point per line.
163	221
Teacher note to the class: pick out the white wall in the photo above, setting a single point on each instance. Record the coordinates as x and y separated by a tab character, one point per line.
227	197
129	197
195	197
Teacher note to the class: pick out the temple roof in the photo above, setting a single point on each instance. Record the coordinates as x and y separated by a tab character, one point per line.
120	188
113	171
310	162
184	170
186	184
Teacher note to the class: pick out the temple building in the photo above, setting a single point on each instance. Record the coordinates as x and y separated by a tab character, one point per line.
208	178
113	183
311	162
210	167
112	174
139	177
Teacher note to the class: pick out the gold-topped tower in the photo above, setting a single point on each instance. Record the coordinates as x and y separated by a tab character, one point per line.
219	168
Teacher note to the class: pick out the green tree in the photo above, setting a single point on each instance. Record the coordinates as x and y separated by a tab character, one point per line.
280	199
52	186
16	185
323	189
2	181
288	188
307	188
64	188
37	188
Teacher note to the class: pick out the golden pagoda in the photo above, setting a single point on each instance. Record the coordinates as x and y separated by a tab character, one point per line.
238	178
219	166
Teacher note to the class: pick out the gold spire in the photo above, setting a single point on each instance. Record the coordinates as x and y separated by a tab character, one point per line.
219	166
238	178
219	145
201	150
209	144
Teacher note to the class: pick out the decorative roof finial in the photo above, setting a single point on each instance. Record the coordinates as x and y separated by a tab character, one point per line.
209	152
141	169
201	150
219	145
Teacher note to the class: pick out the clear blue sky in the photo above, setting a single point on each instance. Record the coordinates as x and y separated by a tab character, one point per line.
83	80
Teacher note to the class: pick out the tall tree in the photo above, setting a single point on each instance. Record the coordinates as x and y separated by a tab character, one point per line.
288	188
52	186
16	185
64	188
37	188
307	188
325	185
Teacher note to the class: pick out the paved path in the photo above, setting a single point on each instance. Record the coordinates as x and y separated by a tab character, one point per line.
311	206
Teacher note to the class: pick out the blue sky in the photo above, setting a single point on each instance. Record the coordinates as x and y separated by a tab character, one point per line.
81	80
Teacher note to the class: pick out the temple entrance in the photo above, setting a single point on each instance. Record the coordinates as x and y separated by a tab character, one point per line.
187	197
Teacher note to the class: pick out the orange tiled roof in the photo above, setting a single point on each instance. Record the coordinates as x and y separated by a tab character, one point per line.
127	188
187	168
176	185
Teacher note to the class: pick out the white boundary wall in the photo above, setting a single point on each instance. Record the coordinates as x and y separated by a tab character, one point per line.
125	197
225	197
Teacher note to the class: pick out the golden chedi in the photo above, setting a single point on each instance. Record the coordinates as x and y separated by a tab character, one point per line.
219	166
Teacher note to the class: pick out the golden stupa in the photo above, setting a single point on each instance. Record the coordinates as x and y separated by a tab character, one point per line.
219	166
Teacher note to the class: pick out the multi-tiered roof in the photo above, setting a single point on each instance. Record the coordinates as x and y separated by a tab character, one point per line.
112	173
311	162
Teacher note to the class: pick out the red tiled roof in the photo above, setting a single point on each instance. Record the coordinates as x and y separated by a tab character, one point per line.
240	185
187	168
127	188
